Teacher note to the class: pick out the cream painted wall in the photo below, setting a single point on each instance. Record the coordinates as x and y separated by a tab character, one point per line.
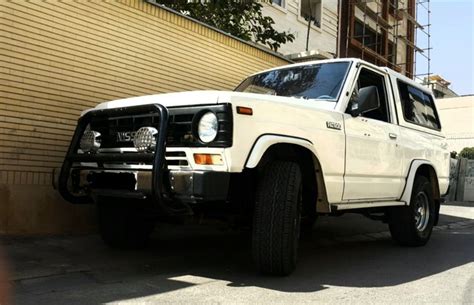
287	19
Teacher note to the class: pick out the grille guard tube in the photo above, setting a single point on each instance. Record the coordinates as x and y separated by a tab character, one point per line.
158	158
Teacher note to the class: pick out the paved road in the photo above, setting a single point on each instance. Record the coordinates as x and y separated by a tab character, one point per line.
347	259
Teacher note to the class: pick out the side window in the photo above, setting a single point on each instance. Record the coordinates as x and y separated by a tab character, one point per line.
418	106
431	114
369	78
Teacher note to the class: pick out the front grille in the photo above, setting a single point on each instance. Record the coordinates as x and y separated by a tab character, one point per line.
110	128
180	130
119	131
173	158
176	158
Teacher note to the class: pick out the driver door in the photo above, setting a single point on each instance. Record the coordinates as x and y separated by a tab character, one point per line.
373	169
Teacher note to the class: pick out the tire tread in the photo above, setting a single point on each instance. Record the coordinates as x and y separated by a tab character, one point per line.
274	232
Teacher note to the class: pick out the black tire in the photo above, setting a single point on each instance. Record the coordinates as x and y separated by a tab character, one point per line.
124	224
277	216
405	229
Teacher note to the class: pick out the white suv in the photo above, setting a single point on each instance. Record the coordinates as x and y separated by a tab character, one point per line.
322	137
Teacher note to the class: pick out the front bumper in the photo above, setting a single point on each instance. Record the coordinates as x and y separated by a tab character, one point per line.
197	186
171	190
185	186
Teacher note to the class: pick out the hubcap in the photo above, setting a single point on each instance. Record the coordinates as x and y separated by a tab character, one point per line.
422	211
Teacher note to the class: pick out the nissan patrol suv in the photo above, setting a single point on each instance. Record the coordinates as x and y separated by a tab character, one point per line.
322	137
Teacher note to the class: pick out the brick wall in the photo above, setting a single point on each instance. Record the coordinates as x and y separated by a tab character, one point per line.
58	58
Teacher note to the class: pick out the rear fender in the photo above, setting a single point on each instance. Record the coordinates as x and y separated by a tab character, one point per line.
415	166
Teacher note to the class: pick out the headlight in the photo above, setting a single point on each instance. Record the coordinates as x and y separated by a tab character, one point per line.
145	139
207	127
90	141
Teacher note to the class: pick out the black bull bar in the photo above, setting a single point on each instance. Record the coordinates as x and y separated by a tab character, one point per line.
157	158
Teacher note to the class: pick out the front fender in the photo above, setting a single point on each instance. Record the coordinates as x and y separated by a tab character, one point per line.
265	141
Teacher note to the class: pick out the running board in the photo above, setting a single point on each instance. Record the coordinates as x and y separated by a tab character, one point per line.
363	205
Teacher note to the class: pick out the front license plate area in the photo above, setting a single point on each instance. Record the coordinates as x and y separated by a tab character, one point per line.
112	181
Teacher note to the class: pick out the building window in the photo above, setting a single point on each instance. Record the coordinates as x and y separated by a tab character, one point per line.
392	6
367	36
310	10
391	53
279	2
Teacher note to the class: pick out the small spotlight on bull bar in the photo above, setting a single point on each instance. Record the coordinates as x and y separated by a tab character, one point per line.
145	139
90	141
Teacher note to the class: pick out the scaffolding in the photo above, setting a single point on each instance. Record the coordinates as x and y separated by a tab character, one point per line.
423	13
377	32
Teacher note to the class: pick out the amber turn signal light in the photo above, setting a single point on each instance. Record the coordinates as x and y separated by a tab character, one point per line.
244	110
208	159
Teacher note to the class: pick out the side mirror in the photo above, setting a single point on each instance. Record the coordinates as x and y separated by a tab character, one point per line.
367	100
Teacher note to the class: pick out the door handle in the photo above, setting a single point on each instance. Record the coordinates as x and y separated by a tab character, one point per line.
392	136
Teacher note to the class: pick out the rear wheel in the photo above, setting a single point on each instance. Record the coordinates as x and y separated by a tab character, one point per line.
124	224
412	225
277	217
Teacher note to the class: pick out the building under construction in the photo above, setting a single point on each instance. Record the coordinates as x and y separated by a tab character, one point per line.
384	32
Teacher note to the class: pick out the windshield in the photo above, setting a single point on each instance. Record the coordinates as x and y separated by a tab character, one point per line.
318	81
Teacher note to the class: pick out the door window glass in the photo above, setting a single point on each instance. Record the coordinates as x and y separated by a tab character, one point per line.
369	78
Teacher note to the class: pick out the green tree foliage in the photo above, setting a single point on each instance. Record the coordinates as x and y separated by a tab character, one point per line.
242	19
467	152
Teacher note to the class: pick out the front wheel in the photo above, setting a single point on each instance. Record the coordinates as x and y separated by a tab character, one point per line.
412	225
277	217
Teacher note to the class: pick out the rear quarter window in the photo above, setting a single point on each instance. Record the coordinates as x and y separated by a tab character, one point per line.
418	106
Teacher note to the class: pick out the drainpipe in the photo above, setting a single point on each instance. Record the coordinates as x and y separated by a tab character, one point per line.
310	18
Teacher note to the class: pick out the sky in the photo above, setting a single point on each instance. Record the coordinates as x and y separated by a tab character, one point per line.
452	40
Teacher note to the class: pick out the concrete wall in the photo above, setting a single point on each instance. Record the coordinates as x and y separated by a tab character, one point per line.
457	121
461	180
469	182
58	58
287	18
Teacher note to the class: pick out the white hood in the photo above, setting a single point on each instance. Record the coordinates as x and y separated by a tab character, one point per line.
167	99
205	98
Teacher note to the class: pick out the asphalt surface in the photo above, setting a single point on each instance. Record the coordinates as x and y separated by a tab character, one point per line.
346	260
